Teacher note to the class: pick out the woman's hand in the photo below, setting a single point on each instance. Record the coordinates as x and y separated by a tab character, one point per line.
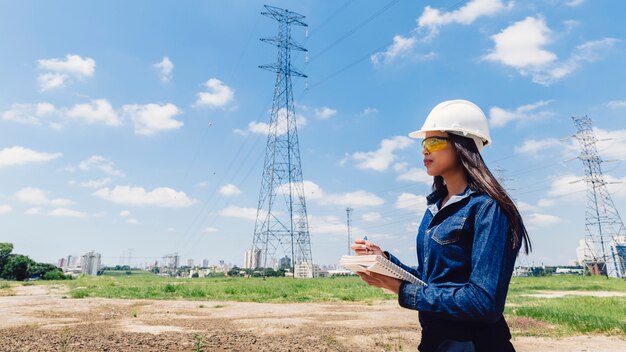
363	247
382	281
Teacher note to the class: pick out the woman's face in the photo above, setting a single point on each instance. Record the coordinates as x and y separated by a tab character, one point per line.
443	161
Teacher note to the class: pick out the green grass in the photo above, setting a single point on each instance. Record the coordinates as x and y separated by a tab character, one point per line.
570	314
273	289
606	315
566	283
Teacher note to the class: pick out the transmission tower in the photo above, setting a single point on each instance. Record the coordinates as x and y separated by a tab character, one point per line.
349	222
604	227
281	223
522	266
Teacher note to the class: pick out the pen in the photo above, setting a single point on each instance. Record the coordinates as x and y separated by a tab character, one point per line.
367	249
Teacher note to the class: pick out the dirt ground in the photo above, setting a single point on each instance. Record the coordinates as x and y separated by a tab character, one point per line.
39	318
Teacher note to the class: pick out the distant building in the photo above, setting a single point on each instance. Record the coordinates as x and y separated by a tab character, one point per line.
304	270
61	263
252	259
584	251
72	262
90	263
285	263
205	263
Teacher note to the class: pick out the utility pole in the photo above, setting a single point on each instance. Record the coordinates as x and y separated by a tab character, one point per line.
603	224
349	221
130	257
281	223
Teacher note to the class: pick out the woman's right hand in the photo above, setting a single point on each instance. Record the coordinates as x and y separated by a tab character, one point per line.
363	247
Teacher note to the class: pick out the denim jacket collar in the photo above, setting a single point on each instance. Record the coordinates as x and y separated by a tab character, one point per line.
434	199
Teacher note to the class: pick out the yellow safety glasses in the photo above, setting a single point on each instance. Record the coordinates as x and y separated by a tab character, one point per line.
433	144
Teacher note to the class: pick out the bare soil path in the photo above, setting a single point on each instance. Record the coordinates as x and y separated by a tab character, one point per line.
39	318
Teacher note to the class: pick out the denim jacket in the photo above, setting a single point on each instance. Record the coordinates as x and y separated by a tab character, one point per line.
464	256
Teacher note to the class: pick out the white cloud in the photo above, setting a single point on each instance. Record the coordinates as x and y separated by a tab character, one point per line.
210	230
5	209
98	111
19	155
400	167
573	3
33	195
281	128
412	202
66	213
314	192
368	111
611	144
165	68
416	175
355	199
73	64
400	48
138	196
371	216
229	190
430	22
525	207
58	71
567	185
101	163
537	146
380	159
32	114
132	221
258	127
521	46
49	80
311	190
239	212
96	183
219	95
325	112
329	224
433	19
587	52
546	202
33	211
616	103
540	220
499	117
124	213
149	119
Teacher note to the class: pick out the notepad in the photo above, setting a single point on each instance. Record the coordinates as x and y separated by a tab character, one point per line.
378	264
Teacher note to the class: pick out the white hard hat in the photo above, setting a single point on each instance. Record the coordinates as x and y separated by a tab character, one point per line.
460	117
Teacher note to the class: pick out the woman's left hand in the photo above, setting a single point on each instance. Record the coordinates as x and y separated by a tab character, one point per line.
382	281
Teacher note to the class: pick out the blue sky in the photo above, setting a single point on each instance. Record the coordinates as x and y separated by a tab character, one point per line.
140	125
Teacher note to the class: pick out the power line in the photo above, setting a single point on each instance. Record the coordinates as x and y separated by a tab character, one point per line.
355	29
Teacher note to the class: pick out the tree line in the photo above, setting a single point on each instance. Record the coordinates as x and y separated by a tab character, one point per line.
20	267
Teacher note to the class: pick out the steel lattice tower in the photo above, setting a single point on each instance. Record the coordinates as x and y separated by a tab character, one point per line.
281	224
603	224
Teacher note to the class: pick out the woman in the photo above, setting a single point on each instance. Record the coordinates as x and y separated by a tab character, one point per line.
467	242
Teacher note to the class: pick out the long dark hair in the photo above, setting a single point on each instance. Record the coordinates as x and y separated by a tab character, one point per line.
479	178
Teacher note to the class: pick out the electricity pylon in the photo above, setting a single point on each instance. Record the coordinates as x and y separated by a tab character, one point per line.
281	223
603	224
